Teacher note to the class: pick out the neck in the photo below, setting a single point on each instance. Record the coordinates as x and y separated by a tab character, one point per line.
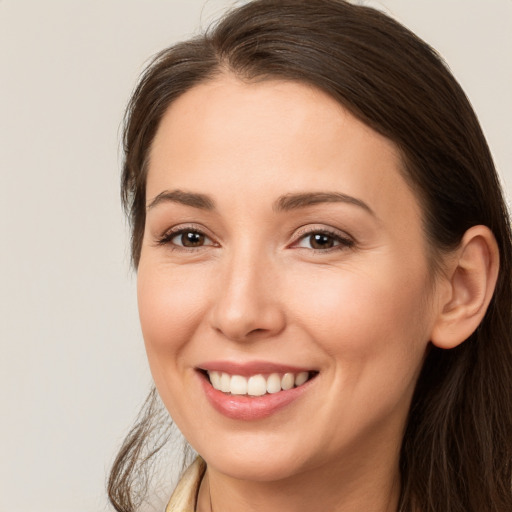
368	486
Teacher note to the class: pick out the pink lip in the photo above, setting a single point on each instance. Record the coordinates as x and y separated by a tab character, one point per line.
250	408
250	368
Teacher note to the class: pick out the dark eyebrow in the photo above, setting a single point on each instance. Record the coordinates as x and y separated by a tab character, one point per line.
283	203
302	200
193	199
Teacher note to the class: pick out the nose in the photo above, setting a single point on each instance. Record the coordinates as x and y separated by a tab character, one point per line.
246	304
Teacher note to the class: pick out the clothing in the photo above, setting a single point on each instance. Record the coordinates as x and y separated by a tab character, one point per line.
184	497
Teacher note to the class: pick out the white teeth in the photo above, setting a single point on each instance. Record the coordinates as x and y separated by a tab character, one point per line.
288	381
300	378
274	383
215	379
256	385
238	385
225	383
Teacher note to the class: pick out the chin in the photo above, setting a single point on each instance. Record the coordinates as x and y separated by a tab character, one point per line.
254	467
254	458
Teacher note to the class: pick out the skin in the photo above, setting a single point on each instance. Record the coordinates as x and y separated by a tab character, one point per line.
361	313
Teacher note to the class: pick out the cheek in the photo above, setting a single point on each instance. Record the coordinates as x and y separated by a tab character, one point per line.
171	307
375	331
171	304
366	317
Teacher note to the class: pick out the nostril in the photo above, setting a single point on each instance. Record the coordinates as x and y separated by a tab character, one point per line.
255	331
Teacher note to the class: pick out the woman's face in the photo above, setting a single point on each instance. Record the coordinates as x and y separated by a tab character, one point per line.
282	239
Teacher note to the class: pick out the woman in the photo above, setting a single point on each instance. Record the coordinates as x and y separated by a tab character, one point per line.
324	278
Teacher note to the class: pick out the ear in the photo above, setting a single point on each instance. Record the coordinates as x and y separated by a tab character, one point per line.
469	286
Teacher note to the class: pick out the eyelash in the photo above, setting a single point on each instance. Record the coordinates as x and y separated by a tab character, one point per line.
343	242
166	238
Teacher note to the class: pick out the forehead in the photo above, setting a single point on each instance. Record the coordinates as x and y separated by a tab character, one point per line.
272	137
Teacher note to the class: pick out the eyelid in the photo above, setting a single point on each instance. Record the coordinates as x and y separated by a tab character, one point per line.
166	237
346	241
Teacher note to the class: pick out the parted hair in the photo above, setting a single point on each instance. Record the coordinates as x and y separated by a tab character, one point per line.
456	454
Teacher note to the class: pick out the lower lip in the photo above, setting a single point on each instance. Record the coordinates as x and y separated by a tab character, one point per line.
240	407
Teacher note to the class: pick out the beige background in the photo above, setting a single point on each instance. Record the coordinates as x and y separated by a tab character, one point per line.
72	366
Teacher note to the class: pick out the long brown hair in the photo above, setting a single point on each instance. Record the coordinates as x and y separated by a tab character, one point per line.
457	448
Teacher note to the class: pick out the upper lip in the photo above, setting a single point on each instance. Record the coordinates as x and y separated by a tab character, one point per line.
251	367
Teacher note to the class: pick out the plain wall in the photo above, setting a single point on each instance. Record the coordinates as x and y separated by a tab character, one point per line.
72	366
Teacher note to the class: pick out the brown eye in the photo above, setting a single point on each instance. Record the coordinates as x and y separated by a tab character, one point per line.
189	239
321	241
185	238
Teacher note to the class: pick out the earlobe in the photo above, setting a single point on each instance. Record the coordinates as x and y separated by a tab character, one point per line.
471	280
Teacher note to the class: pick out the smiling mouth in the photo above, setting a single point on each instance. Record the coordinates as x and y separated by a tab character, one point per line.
257	385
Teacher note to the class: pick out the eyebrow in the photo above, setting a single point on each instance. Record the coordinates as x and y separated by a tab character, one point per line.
302	200
193	199
284	203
